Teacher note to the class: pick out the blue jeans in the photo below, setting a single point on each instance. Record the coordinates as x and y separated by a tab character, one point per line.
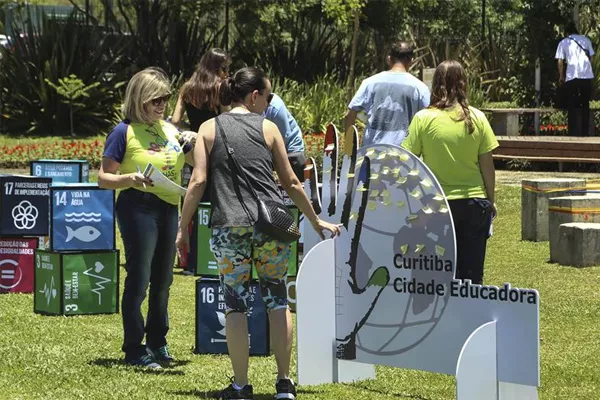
148	227
472	219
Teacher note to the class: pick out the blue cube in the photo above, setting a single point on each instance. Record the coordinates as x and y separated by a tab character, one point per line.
210	319
83	217
24	206
68	171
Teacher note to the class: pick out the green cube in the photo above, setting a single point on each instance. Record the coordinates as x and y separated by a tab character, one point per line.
76	283
207	265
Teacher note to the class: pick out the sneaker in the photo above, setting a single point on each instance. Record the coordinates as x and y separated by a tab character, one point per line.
286	389
244	393
161	354
146	361
188	272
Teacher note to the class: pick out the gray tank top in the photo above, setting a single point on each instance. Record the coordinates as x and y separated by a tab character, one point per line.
228	189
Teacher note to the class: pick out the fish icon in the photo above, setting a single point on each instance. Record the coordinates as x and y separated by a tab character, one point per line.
85	233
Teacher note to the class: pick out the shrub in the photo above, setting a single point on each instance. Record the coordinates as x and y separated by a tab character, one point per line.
314	105
56	50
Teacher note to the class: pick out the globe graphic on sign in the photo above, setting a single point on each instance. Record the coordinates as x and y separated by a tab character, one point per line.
406	228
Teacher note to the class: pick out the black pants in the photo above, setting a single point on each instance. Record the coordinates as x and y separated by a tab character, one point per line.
148	227
579	92
472	219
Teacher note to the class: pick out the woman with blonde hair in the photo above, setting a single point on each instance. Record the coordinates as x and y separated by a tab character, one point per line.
456	142
147	215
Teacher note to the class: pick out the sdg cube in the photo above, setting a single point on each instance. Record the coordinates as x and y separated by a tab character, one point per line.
24	205
207	265
83	217
76	283
67	171
210	319
291	293
16	264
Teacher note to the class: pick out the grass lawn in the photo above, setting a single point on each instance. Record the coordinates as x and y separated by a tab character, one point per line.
45	357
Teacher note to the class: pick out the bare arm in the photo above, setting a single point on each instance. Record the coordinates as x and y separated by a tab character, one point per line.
290	182
349	121
109	179
488	172
561	71
197	184
178	113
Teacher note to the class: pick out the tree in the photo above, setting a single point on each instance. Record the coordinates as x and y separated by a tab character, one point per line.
71	89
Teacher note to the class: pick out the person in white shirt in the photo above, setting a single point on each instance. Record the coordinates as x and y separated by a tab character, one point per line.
576	51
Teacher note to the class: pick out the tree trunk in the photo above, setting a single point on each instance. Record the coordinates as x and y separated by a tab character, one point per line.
576	14
350	83
71	121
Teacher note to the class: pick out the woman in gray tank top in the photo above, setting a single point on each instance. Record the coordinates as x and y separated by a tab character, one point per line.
259	149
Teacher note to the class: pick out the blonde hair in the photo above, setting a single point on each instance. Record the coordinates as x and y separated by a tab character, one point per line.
151	83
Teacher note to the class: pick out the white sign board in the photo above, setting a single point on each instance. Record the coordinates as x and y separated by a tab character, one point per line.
396	300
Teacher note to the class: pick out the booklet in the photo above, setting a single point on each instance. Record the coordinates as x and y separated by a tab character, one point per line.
161	181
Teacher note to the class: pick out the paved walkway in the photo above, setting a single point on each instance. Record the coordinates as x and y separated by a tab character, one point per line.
513	178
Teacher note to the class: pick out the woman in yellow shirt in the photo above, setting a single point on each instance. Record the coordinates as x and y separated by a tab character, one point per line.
456	142
147	215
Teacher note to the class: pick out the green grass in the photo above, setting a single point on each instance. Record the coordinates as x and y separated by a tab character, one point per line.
79	357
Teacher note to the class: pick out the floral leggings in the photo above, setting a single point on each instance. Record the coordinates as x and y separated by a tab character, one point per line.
235	249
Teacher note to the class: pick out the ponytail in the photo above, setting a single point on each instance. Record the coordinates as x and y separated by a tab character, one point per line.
226	91
243	82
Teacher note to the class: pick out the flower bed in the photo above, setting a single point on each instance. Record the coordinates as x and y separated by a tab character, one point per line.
313	144
19	155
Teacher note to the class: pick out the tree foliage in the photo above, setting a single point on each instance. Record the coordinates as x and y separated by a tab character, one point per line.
296	41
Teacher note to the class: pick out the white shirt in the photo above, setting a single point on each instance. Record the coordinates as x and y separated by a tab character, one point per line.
578	64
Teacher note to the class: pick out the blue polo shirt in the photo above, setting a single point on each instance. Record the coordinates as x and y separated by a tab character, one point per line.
278	113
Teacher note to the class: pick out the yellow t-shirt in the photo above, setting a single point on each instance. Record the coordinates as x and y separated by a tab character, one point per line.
137	144
450	151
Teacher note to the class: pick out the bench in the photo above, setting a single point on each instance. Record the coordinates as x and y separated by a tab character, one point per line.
549	148
505	121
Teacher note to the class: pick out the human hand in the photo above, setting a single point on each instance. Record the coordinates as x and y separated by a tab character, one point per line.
561	80
182	242
494	211
319	226
137	179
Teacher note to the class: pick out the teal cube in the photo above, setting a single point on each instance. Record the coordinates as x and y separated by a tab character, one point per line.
75	283
68	171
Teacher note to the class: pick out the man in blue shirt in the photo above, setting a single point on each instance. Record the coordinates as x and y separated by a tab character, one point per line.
278	113
390	99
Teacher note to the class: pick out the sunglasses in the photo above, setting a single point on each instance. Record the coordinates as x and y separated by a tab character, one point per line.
160	100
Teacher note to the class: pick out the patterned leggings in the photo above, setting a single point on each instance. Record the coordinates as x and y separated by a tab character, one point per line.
235	249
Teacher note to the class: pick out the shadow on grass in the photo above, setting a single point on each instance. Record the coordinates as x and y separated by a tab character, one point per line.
394	394
214	394
119	363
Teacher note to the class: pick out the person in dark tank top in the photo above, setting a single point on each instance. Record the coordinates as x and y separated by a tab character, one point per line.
259	149
199	95
199	99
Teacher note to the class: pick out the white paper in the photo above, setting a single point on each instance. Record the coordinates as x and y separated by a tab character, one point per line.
161	181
